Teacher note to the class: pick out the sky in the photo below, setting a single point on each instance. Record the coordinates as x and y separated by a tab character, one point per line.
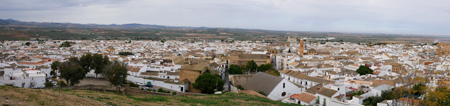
423	17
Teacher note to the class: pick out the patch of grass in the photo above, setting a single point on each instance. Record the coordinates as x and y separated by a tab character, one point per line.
112	104
149	99
79	95
35	97
42	103
199	101
100	99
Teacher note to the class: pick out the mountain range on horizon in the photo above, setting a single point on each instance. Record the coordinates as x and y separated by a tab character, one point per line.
151	26
11	29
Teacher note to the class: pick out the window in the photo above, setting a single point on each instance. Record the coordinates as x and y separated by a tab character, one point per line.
283	94
284	85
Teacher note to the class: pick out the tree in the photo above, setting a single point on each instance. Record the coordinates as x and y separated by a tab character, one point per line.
388	95
265	67
207	71
98	63
66	44
251	65
72	71
363	70
86	62
208	82
439	97
116	73
235	69
125	53
27	43
54	67
418	89
372	101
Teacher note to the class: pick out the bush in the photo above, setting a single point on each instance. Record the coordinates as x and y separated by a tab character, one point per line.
48	84
240	87
163	91
125	53
363	70
174	93
132	84
62	84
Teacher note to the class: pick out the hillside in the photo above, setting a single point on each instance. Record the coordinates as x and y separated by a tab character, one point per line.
50	97
18	30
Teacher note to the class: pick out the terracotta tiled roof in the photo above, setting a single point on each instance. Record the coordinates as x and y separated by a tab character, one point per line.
381	82
253	56
314	89
327	92
304	97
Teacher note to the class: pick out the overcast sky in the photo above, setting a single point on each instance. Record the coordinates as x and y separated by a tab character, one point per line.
371	16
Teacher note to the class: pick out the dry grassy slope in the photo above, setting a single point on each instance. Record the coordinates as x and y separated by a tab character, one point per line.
49	97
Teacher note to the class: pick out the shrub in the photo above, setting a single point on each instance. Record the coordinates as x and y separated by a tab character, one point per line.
240	87
62	84
125	53
132	84
174	93
48	84
363	70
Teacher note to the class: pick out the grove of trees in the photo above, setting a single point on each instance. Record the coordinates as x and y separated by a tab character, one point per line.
75	69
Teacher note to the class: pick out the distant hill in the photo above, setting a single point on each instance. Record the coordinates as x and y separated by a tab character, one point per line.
74	25
11	29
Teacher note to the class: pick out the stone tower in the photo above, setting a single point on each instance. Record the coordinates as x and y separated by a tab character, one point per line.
302	47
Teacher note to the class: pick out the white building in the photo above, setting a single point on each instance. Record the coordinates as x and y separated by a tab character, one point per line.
275	88
25	78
